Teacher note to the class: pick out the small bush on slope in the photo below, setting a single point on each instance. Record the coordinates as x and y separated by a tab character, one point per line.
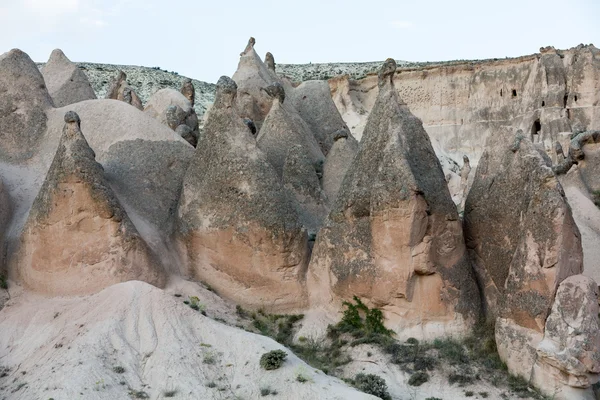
273	359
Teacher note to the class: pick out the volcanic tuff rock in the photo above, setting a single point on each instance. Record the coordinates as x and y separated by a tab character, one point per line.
300	180
173	109
251	77
119	89
393	237
78	239
337	163
23	103
66	83
241	234
313	101
188	90
282	129
520	232
569	355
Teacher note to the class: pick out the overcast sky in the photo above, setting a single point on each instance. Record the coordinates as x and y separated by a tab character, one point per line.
202	39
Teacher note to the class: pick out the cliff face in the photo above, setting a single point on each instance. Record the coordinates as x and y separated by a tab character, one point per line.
461	104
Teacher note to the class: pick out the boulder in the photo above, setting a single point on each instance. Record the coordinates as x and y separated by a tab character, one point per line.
23	103
301	182
188	90
239	231
173	109
313	101
283	129
393	237
119	89
569	354
337	163
78	239
66	83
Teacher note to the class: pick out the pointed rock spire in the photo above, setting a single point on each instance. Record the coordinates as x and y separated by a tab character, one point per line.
78	238
25	100
119	89
337	163
188	90
270	61
241	233
393	237
66	83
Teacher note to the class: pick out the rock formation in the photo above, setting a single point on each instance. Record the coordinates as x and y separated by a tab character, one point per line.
78	239
270	61
337	163
282	129
119	89
568	361
23	102
173	109
313	101
251	77
187	89
240	233
393	237
66	83
301	182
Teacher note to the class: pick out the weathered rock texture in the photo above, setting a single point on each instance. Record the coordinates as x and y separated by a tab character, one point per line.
283	128
568	362
241	234
251	76
393	236
520	232
337	163
173	109
301	182
23	102
66	83
119	89
78	239
313	101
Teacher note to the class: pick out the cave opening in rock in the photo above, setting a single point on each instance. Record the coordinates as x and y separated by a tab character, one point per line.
575	97
514	92
543	103
565	100
536	128
500	92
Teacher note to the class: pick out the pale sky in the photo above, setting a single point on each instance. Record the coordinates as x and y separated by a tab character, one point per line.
202	39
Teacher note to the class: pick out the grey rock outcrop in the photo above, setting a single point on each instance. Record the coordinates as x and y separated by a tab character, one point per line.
23	103
188	90
66	83
173	109
337	163
78	239
239	231
119	89
301	182
313	101
282	129
393	237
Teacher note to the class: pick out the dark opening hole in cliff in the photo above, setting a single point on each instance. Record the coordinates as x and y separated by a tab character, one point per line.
565	100
575	97
500	92
543	103
535	131
514	93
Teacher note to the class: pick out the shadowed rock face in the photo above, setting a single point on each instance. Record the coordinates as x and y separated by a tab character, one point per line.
393	236
241	234
337	163
77	238
23	103
313	101
173	109
66	83
283	128
301	182
520	232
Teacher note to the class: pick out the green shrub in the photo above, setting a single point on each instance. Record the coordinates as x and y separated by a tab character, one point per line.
353	322
119	370
273	359
418	378
265	391
170	393
3	282
372	384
